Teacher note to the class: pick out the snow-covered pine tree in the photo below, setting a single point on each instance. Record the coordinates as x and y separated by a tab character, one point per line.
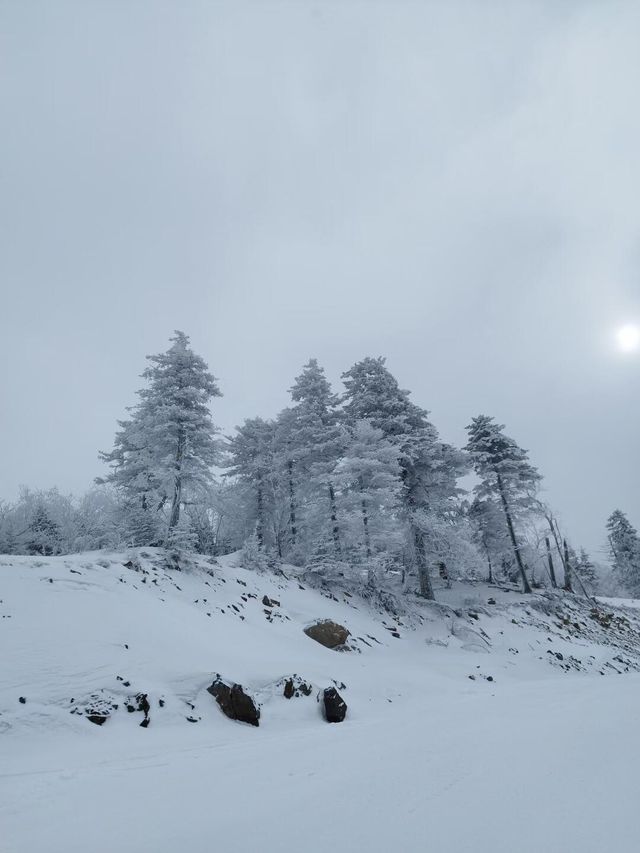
505	473
487	520
43	534
368	479
624	545
251	461
587	571
428	468
163	455
311	443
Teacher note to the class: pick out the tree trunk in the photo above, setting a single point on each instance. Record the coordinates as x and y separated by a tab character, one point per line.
174	517
567	568
512	534
260	520
490	566
426	587
552	572
365	523
335	528
292	505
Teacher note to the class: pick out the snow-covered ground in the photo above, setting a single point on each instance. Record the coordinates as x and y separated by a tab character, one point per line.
485	727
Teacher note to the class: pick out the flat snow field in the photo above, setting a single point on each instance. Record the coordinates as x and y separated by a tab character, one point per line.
427	760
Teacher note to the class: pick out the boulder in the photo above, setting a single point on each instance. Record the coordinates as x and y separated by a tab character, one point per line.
295	686
235	703
335	708
328	633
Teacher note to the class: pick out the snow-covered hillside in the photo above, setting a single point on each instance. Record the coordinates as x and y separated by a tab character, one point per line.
490	721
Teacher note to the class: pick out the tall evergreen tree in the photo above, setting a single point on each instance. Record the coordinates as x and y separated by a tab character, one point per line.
163	455
312	441
251	461
428	468
505	474
624	546
43	533
487	519
368	477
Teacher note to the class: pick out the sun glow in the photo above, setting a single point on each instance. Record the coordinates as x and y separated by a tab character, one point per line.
628	338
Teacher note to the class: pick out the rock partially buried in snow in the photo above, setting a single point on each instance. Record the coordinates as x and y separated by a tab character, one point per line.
335	708
235	703
295	686
328	633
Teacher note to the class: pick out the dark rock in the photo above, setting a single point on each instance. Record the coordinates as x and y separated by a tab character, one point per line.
489	678
295	686
335	708
161	703
270	602
328	634
22	700
98	719
145	723
235	703
491	601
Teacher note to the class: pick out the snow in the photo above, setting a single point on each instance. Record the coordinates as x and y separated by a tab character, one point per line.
539	758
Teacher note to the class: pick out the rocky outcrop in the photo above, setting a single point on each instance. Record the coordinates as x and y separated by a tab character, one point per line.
328	633
234	702
335	708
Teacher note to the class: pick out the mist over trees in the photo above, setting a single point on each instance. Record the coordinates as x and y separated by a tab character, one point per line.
354	485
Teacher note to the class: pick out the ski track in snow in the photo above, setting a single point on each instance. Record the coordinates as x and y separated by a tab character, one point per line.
539	759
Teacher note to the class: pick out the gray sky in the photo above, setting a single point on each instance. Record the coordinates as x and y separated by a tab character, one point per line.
453	185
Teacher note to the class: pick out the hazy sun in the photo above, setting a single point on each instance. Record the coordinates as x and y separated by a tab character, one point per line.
628	338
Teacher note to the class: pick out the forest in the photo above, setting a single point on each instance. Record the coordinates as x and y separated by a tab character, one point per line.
354	486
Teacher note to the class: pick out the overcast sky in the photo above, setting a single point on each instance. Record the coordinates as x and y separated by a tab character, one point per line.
453	185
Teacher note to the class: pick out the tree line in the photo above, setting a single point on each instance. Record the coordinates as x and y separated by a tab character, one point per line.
356	485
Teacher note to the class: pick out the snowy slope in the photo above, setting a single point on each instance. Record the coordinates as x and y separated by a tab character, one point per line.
486	725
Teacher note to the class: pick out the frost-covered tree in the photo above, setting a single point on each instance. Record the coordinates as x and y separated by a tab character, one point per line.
624	545
428	468
505	473
251	461
368	479
587	571
487	520
43	534
310	443
163	454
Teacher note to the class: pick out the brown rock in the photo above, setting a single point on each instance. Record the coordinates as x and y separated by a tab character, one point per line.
328	634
